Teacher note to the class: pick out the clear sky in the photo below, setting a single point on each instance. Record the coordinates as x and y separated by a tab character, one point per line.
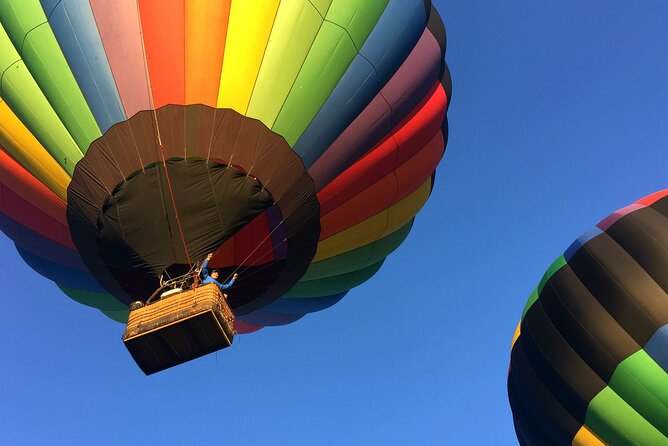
559	117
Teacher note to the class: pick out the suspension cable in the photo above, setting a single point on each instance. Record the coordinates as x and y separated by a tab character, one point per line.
176	211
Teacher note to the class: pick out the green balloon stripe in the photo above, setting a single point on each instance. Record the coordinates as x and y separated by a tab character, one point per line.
295	29
532	299
643	384
26	26
357	17
20	91
612	419
358	258
347	25
117	316
321	5
102	301
333	285
556	266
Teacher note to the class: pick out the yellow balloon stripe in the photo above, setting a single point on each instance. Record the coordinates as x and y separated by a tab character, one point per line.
585	437
248	31
516	335
19	142
23	95
376	227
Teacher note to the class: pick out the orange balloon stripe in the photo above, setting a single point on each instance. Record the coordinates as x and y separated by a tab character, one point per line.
163	29
205	35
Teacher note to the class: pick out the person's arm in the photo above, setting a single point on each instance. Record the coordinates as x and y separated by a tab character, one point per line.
205	271
230	283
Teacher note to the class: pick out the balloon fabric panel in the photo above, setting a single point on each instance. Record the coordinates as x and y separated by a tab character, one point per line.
20	91
18	142
541	414
248	31
118	25
374	228
395	186
295	305
33	220
333	285
617	423
31	194
163	31
391	40
585	437
336	45
101	301
358	258
650	399
38	244
60	274
409	136
27	27
206	33
73	24
295	28
268	319
417	75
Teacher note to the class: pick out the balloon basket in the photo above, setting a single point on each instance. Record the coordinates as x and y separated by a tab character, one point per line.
179	328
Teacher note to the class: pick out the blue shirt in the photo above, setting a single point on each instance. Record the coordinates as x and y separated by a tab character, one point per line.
208	279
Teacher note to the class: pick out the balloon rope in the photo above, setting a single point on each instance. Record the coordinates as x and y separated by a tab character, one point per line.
253	252
159	137
262	268
246	268
176	211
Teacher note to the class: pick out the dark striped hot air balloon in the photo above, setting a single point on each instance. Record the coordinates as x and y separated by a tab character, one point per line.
589	363
295	139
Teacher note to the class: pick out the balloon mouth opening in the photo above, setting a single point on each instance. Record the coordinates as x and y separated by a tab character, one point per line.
160	221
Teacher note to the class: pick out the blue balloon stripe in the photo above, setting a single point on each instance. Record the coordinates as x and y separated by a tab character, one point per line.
580	241
39	245
268	319
303	305
74	26
62	275
388	45
657	347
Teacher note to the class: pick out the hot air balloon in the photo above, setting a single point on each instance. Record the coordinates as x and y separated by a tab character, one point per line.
589	359
294	139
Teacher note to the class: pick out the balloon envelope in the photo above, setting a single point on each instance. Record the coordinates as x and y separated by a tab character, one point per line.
589	359
296	140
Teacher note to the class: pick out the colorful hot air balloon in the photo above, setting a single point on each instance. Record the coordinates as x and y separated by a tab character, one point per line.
295	139
589	363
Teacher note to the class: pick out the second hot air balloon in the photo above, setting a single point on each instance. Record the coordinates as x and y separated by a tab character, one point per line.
589	363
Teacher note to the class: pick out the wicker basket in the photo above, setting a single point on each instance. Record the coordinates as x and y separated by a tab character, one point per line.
179	328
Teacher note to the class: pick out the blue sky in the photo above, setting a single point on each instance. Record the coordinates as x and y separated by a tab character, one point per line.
558	118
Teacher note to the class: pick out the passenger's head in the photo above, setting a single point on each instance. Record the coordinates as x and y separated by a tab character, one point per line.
214	274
